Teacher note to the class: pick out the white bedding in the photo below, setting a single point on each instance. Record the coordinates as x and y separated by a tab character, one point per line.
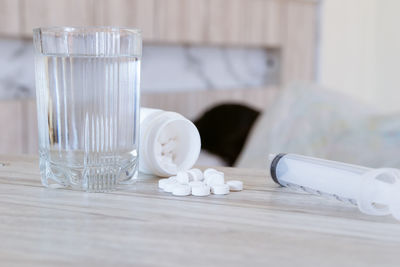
313	121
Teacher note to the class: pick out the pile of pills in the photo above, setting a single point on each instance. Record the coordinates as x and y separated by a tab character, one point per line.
197	183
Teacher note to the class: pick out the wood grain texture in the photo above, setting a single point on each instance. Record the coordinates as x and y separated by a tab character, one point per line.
274	21
11	127
195	21
18	124
259	21
41	13
218	22
261	226
127	13
299	41
9	19
224	22
168	20
215	22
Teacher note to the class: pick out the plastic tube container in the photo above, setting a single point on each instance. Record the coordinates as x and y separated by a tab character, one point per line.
374	191
168	142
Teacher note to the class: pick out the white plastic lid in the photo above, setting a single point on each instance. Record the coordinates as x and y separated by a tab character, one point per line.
169	143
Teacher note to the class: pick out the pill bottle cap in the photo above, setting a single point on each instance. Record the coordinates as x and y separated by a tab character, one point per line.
168	142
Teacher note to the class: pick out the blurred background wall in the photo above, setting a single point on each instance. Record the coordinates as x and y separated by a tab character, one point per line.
359	50
197	53
200	53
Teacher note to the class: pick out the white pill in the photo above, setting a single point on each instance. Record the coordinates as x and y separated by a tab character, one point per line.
208	171
169	187
201	191
220	189
196	183
214	179
163	182
235	185
182	177
182	190
210	174
173	178
196	175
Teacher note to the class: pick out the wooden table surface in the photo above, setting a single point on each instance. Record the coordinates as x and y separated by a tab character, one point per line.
264	225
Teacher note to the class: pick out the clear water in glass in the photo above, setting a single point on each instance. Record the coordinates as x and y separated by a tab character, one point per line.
88	120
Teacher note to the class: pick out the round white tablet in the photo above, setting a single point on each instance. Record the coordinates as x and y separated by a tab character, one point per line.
195	175
235	185
220	189
215	178
172	178
208	172
200	191
169	187
182	177
196	183
181	190
163	182
213	173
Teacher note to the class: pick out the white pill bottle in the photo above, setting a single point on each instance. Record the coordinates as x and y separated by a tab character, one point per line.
168	142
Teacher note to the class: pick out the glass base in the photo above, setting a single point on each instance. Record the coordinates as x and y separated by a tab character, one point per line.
103	177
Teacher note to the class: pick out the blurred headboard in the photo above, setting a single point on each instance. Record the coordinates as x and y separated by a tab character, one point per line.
193	104
287	27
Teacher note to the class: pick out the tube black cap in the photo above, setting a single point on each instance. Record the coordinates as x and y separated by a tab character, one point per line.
274	164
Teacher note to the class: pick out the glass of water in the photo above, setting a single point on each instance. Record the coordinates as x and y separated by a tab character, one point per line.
87	92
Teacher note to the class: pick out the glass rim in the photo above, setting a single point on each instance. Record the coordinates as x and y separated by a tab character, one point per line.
86	29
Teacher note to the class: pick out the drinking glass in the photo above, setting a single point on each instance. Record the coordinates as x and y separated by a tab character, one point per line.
87	93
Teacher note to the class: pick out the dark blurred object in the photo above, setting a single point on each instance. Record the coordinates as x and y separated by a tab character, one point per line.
224	129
